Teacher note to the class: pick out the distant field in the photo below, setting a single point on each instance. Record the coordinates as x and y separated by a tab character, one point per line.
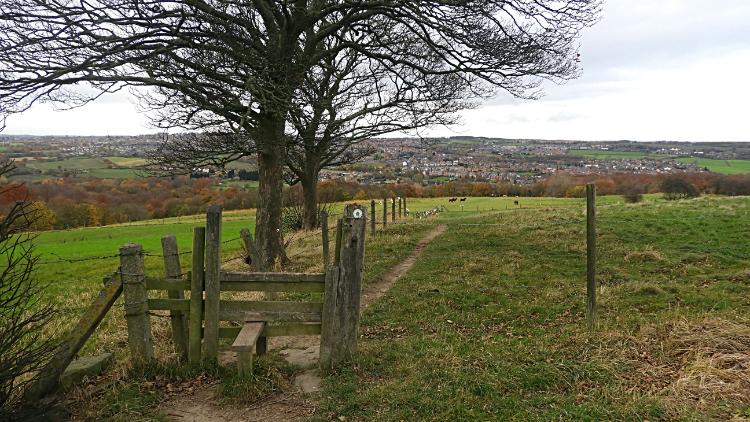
127	161
615	154
114	173
236	165
70	163
740	164
720	166
242	183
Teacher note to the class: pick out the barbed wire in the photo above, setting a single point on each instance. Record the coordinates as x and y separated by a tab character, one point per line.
701	217
676	250
474	255
76	281
61	259
485	224
488	289
655	280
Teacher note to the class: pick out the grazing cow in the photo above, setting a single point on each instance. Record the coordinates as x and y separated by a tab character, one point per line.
463	199
515	202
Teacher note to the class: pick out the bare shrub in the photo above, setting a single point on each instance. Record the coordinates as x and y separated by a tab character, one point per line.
23	315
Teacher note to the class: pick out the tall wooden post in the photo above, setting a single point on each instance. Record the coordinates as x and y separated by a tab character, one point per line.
172	270
324	228
252	251
399	208
393	210
405	214
591	255
133	272
385	211
213	266
343	289
372	218
197	276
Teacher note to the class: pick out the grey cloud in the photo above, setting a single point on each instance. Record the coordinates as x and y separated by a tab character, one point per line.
564	116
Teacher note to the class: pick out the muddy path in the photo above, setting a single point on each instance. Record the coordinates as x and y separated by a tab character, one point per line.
299	403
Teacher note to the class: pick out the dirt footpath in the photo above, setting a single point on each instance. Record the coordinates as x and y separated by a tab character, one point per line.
290	406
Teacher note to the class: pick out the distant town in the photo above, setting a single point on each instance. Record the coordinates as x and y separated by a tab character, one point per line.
434	160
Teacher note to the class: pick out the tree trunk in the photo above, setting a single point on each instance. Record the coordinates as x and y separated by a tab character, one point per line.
310	191
268	234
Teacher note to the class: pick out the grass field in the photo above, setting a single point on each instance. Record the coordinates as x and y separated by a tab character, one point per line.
115	173
69	163
498	331
127	161
720	166
616	154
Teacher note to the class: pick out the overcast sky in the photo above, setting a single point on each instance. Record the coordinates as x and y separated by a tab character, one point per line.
674	70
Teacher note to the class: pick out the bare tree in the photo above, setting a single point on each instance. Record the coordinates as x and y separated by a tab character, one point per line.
23	349
235	66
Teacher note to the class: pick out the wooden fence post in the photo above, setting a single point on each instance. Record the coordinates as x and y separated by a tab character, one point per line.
591	255
133	274
196	295
405	214
399	208
172	270
213	266
385	211
372	219
393	210
343	289
252	251
324	229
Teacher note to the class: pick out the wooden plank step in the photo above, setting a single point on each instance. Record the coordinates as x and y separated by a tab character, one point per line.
271	316
275	330
267	286
248	336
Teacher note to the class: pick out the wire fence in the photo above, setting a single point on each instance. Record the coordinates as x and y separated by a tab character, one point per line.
318	234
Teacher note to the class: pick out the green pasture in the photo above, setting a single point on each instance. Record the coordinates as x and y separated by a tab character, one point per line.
127	161
241	183
740	164
238	165
76	163
116	173
105	241
720	166
599	154
499	330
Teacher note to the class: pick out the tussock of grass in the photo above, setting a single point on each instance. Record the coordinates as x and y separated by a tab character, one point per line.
693	363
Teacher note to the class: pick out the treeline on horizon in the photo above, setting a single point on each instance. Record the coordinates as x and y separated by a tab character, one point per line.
68	203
